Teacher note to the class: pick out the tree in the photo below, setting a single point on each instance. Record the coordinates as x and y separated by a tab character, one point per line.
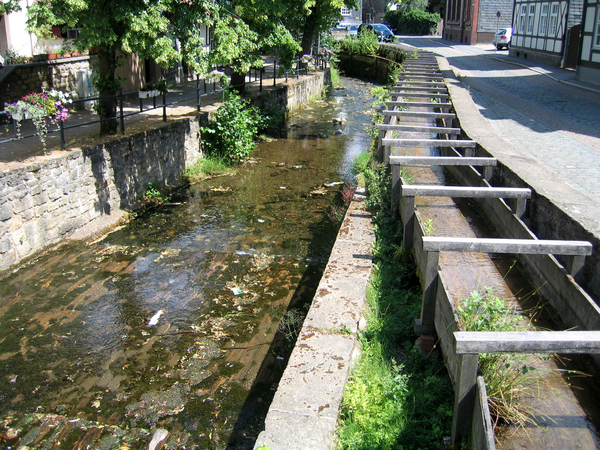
147	28
9	6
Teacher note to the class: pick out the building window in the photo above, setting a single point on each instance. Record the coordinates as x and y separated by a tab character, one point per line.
553	20
522	19
73	33
531	19
345	11
544	20
597	30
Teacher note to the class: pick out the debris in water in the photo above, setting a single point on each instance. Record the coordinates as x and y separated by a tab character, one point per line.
237	291
261	220
160	435
282	187
154	319
14	379
334	183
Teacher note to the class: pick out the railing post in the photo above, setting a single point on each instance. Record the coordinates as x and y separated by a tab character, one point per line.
204	79
464	397
408	213
426	324
121	110
395	187
261	78
274	72
62	135
198	91
164	96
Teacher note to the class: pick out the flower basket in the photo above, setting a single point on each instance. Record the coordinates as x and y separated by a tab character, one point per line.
42	107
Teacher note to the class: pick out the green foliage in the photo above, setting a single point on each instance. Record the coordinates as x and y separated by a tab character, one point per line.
361	162
9	6
154	195
365	43
382	95
374	404
394	73
207	167
415	21
509	378
236	46
429	228
231	135
335	78
291	324
395	398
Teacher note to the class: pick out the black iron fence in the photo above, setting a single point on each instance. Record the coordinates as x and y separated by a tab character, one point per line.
201	90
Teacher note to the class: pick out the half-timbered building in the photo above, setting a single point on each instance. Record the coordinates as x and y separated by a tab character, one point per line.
588	68
547	31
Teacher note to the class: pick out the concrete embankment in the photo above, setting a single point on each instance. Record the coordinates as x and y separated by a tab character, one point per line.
77	193
304	412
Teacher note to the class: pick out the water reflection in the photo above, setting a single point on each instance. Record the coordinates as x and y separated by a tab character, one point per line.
170	322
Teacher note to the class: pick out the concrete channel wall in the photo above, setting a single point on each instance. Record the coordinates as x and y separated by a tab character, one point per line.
575	306
76	194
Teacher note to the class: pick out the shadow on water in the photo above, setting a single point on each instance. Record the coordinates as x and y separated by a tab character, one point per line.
171	322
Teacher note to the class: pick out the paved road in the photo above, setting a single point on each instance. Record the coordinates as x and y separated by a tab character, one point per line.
543	111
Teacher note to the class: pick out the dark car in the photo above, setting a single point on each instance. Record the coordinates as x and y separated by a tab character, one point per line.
384	34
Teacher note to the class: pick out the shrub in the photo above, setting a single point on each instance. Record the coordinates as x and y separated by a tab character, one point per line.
413	22
365	43
231	134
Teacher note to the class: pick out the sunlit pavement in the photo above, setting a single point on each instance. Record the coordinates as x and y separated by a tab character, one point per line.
543	111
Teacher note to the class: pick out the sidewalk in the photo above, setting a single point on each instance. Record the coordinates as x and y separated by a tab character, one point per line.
181	100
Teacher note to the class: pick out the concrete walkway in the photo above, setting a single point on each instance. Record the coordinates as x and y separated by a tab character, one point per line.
181	100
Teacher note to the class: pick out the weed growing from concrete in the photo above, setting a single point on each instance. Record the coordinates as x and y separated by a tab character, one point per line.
154	195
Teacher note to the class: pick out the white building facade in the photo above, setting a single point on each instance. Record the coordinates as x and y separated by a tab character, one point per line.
547	31
588	68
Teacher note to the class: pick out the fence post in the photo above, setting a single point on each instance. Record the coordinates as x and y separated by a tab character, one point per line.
164	96
261	77
274	72
198	91
204	79
121	110
62	134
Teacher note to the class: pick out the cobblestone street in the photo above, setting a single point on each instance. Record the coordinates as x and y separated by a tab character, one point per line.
544	112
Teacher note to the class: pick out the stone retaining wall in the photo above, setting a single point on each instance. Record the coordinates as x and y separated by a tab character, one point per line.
56	74
75	194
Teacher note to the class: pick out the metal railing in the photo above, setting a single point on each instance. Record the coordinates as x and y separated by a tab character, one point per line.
201	91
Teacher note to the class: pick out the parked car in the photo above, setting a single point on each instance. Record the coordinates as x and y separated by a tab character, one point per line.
502	38
351	30
384	34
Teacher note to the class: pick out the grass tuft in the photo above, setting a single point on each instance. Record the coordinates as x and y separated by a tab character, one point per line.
208	167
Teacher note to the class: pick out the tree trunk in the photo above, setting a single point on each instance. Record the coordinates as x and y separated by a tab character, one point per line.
107	87
308	35
238	82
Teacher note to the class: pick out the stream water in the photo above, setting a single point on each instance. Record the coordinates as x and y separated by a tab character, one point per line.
170	323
